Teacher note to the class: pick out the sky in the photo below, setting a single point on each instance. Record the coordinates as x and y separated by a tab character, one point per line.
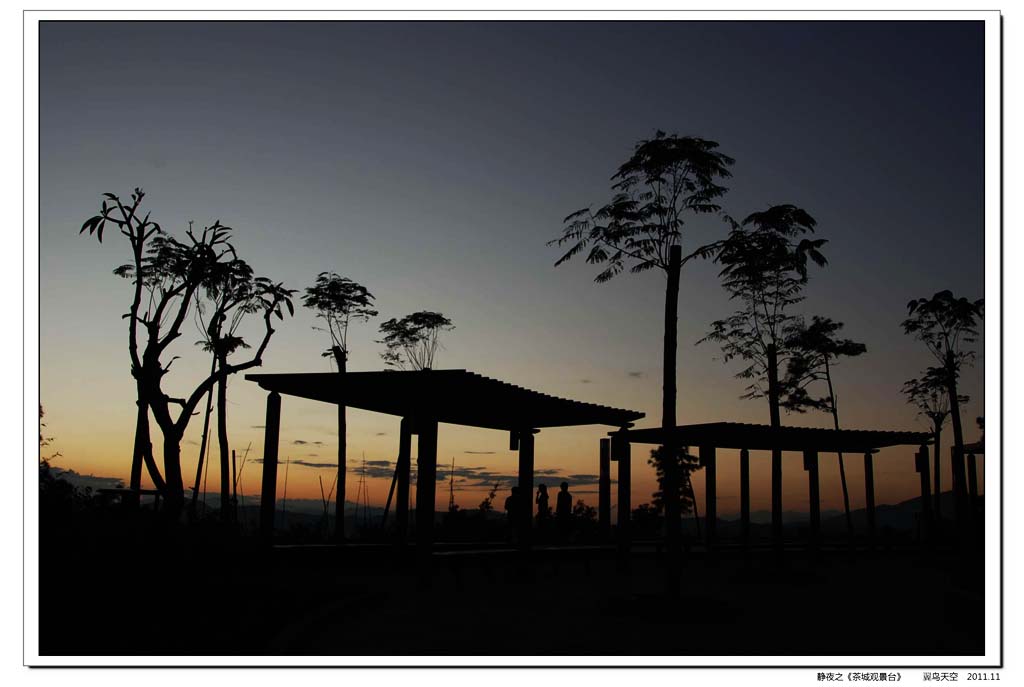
433	161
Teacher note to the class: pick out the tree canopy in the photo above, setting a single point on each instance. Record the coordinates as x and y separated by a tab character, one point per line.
412	341
814	349
337	301
764	267
666	179
946	325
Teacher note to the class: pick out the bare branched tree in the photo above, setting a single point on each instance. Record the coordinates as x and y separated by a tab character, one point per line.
166	275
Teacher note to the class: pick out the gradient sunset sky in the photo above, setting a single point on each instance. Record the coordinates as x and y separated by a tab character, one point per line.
432	162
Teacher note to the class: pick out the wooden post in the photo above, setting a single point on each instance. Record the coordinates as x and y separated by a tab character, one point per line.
959	486
921	463
234	487
402	488
811	466
869	492
708	460
621	452
525	524
745	496
271	436
426	484
972	484
341	357
604	491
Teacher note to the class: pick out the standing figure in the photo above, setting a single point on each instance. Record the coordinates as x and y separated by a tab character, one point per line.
543	510
563	506
512	508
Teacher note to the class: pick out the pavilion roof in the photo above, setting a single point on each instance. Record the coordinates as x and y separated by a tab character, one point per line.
451	396
739	435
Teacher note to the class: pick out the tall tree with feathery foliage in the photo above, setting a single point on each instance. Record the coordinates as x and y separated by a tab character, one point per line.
667	181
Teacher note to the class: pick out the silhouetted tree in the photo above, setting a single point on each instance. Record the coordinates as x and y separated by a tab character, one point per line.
139	231
166	275
584	513
684	495
948	326
646	519
43	440
814	350
764	267
231	292
412	341
338	301
665	181
486	506
930	394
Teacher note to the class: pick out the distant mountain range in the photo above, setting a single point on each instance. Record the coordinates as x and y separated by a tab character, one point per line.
900	517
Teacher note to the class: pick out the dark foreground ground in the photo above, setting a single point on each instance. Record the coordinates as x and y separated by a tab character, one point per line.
179	594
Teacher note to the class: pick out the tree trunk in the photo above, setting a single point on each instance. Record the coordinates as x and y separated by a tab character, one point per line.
141	438
776	422
142	451
670	488
937	433
341	357
202	444
842	466
174	495
959	479
222	440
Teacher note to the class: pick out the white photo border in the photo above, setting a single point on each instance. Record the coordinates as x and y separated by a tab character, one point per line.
993	656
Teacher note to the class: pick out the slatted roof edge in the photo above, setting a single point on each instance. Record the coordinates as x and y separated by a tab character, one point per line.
854	439
285	383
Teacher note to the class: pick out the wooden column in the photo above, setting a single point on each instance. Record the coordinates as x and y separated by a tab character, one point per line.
604	491
709	460
339	489
813	489
745	495
972	483
777	499
426	483
402	487
271	437
869	492
959	485
921	463
526	445
621	454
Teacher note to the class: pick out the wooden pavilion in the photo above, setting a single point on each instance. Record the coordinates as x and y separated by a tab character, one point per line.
750	437
423	399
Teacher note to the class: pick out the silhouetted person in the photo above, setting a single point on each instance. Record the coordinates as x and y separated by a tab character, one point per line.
513	507
563	506
543	510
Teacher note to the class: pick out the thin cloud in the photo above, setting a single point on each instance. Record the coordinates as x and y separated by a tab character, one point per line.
311	464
